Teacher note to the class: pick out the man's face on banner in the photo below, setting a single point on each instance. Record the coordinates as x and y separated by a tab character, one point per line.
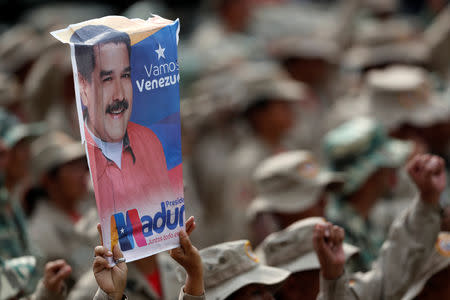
109	95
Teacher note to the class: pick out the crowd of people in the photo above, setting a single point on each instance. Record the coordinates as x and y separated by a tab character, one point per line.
314	132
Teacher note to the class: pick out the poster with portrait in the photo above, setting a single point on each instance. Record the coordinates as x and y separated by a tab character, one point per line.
126	77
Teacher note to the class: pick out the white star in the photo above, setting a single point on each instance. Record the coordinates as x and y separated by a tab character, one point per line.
160	52
122	231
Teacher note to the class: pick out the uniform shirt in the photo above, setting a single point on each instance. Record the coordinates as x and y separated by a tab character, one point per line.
18	271
358	232
13	233
410	244
56	236
142	177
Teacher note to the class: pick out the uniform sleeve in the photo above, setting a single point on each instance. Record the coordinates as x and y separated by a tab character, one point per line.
18	276
184	296
101	295
335	289
411	240
42	293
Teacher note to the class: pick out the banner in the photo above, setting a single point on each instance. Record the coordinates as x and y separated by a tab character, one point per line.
126	76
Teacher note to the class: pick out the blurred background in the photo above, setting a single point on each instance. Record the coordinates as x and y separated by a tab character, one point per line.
258	78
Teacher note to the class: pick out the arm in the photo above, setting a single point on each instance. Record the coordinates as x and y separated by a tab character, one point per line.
189	258
411	240
328	244
111	280
413	235
52	286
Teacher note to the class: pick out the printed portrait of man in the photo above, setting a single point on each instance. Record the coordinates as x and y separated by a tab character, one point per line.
126	159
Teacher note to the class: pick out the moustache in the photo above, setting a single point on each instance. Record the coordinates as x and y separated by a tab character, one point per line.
117	106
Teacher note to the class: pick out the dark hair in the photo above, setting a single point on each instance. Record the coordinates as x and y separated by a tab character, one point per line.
84	40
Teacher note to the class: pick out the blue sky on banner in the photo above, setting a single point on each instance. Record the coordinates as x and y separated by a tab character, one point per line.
156	93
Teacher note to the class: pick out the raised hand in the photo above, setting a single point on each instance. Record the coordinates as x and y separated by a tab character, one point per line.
111	279
328	244
55	274
189	258
428	173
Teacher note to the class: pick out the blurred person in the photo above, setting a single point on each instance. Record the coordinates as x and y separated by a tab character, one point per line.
218	129
49	92
20	46
232	271
369	161
112	280
290	186
414	251
20	261
292	249
310	60
60	187
404	100
268	112
153	277
11	96
18	155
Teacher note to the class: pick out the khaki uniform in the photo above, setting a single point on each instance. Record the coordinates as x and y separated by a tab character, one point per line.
239	189
411	241
56	237
137	285
100	295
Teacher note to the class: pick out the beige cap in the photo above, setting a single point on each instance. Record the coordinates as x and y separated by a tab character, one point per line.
358	148
308	47
377	32
437	36
289	182
273	89
403	94
292	248
231	266
52	150
20	45
21	132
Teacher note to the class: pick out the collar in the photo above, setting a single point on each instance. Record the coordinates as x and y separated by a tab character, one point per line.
113	151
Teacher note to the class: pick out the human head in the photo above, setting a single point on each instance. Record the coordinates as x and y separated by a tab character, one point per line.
17	140
292	249
232	271
60	168
361	150
268	107
103	63
291	185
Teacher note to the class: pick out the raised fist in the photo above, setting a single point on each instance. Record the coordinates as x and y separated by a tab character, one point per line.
328	243
428	173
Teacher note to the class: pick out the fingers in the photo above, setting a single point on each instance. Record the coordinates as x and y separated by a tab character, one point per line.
60	275
190	225
319	239
117	253
54	266
185	242
100	263
102	251
99	229
337	235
